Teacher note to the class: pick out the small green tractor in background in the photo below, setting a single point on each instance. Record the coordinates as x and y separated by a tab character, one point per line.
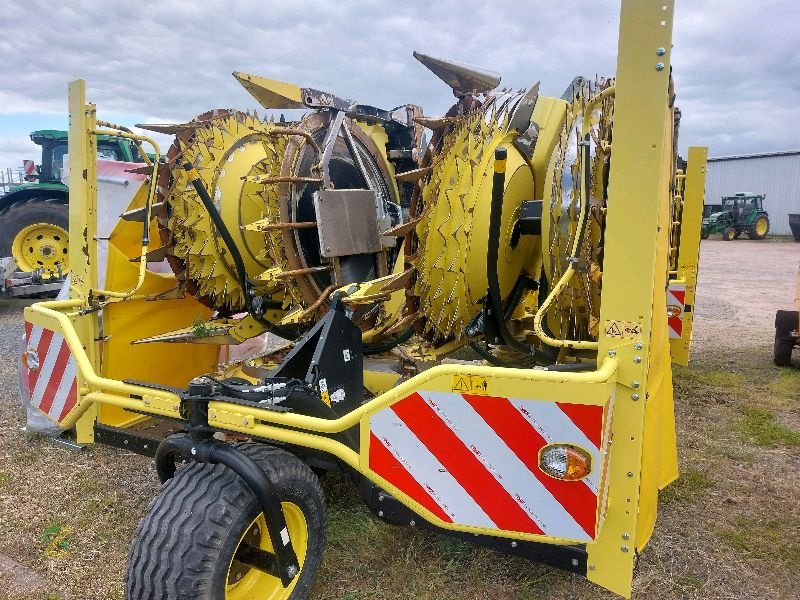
34	218
740	213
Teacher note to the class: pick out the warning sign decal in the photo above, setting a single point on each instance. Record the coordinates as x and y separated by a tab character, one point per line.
470	384
623	329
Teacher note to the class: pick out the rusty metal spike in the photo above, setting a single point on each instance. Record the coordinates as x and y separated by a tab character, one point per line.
415	175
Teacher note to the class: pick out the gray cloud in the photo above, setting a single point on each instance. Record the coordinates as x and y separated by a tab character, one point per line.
735	62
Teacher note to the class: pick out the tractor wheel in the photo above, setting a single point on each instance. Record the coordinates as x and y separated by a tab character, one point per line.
187	543
786	322
729	234
759	229
36	233
704	234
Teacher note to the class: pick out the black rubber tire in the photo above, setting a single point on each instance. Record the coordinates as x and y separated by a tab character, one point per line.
782	351
19	215
786	322
751	233
186	540
729	234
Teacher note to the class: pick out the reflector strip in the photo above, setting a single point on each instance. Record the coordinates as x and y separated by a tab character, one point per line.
53	386
472	474
525	442
476	458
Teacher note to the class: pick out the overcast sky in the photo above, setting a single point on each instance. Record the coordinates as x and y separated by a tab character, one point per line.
736	62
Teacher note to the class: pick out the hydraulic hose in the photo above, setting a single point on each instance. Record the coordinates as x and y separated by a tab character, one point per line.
241	273
494	297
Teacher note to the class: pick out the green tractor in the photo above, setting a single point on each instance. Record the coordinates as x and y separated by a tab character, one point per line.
740	213
34	217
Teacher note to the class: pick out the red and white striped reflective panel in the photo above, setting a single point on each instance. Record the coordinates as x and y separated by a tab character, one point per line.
676	301
28	166
474	461
49	372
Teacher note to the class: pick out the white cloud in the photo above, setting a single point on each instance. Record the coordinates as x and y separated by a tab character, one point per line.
735	62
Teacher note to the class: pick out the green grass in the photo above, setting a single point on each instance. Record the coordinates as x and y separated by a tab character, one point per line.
774	540
690	486
5	478
786	385
760	427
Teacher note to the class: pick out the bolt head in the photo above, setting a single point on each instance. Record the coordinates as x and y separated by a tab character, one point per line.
635	396
661	52
592	567
292	571
630	474
513	544
624	548
659	66
638	345
637	359
412	523
626	536
380	513
612	352
635	384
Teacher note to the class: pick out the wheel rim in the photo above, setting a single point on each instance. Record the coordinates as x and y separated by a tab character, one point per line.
41	246
245	583
761	227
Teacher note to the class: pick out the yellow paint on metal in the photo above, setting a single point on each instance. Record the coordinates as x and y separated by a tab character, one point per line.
454	232
228	151
689	245
42	246
637	215
270	92
244	583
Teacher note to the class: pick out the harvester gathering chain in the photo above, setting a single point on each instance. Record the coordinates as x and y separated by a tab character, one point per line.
199	446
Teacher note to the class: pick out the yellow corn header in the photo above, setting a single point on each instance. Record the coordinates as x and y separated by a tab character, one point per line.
474	315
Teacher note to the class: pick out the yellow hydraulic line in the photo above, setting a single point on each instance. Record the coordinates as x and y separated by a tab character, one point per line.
136	142
590	106
570	272
151	194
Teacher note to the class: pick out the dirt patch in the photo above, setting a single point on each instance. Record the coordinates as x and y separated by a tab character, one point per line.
728	529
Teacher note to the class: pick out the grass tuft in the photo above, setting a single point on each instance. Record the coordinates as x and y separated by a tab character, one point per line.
690	486
760	426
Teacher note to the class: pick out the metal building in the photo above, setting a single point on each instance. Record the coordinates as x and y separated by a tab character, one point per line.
776	174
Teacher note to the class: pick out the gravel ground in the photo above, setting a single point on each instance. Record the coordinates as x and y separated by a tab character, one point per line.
728	529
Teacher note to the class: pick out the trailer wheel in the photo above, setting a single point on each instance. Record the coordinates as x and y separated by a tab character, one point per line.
786	322
759	229
187	543
729	234
36	233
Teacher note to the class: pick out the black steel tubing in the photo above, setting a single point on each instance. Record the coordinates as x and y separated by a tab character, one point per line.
215	452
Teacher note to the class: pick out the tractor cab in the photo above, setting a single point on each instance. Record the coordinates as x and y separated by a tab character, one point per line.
54	148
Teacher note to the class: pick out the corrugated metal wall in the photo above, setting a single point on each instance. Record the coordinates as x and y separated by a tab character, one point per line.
777	176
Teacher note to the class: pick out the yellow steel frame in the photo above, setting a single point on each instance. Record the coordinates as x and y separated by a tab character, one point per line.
634	268
637	209
689	245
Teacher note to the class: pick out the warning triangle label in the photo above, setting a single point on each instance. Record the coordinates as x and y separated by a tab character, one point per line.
613	329
461	385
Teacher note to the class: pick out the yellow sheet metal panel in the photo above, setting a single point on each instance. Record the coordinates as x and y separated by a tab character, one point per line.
689	247
634	267
83	229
